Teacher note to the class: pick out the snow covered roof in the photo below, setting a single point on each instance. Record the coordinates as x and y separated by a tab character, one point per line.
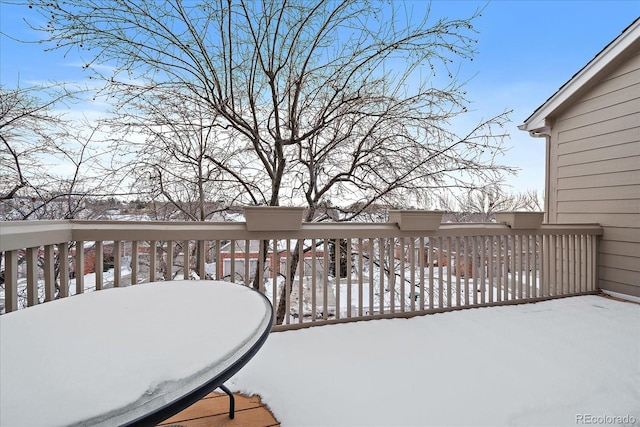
536	124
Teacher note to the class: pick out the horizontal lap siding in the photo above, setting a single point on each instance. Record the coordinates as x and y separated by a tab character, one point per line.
595	172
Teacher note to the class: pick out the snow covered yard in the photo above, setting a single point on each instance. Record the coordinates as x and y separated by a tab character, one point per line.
571	361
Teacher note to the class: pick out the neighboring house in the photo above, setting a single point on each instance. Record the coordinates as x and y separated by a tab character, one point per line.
592	128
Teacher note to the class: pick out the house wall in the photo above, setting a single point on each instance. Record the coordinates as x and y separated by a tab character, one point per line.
594	170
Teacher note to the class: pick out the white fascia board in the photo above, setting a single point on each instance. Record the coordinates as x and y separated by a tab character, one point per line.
536	123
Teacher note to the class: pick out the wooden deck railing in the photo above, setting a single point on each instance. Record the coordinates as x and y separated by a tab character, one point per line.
322	273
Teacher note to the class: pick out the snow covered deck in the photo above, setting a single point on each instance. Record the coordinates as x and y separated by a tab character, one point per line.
567	362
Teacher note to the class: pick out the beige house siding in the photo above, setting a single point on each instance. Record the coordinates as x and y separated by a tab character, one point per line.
594	170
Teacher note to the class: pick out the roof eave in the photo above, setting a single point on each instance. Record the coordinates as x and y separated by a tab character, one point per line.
537	122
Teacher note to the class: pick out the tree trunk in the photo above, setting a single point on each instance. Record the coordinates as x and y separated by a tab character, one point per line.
293	267
282	302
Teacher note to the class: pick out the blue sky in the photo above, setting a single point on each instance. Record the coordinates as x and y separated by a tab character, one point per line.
526	51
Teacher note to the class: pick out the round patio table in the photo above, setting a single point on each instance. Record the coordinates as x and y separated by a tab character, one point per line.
126	356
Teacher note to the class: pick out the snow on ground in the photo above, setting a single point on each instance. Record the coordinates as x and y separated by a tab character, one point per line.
567	362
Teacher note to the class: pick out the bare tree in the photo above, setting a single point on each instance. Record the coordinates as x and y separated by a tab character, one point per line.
314	102
28	127
50	167
171	138
319	101
480	204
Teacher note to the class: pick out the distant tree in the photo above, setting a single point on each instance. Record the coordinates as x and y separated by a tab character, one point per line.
171	154
311	100
480	204
50	167
28	128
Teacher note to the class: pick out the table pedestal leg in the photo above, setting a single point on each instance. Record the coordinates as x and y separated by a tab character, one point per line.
232	401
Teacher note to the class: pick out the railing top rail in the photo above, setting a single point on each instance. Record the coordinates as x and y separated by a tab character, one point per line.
29	234
20	234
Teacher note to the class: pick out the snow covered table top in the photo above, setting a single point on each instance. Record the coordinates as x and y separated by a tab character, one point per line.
112	356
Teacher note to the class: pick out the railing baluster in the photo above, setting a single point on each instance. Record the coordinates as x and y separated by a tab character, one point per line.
287	283
381	274
566	265
458	269
300	281
349	276
313	280
232	261
49	274
583	264
447	256
545	274
372	251
275	273
482	269
553	265
465	269
325	277
259	266
412	261
10	281
219	271
98	264
390	258
247	262
79	270
117	264
571	270
135	259
421	267
559	262
576	263
186	260
516	268
513	285
201	259
338	279
473	260
63	260
594	263
153	260
499	253
431	278
440	278
32	276
537	265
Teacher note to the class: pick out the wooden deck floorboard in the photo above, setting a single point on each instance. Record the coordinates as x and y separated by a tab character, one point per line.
213	411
